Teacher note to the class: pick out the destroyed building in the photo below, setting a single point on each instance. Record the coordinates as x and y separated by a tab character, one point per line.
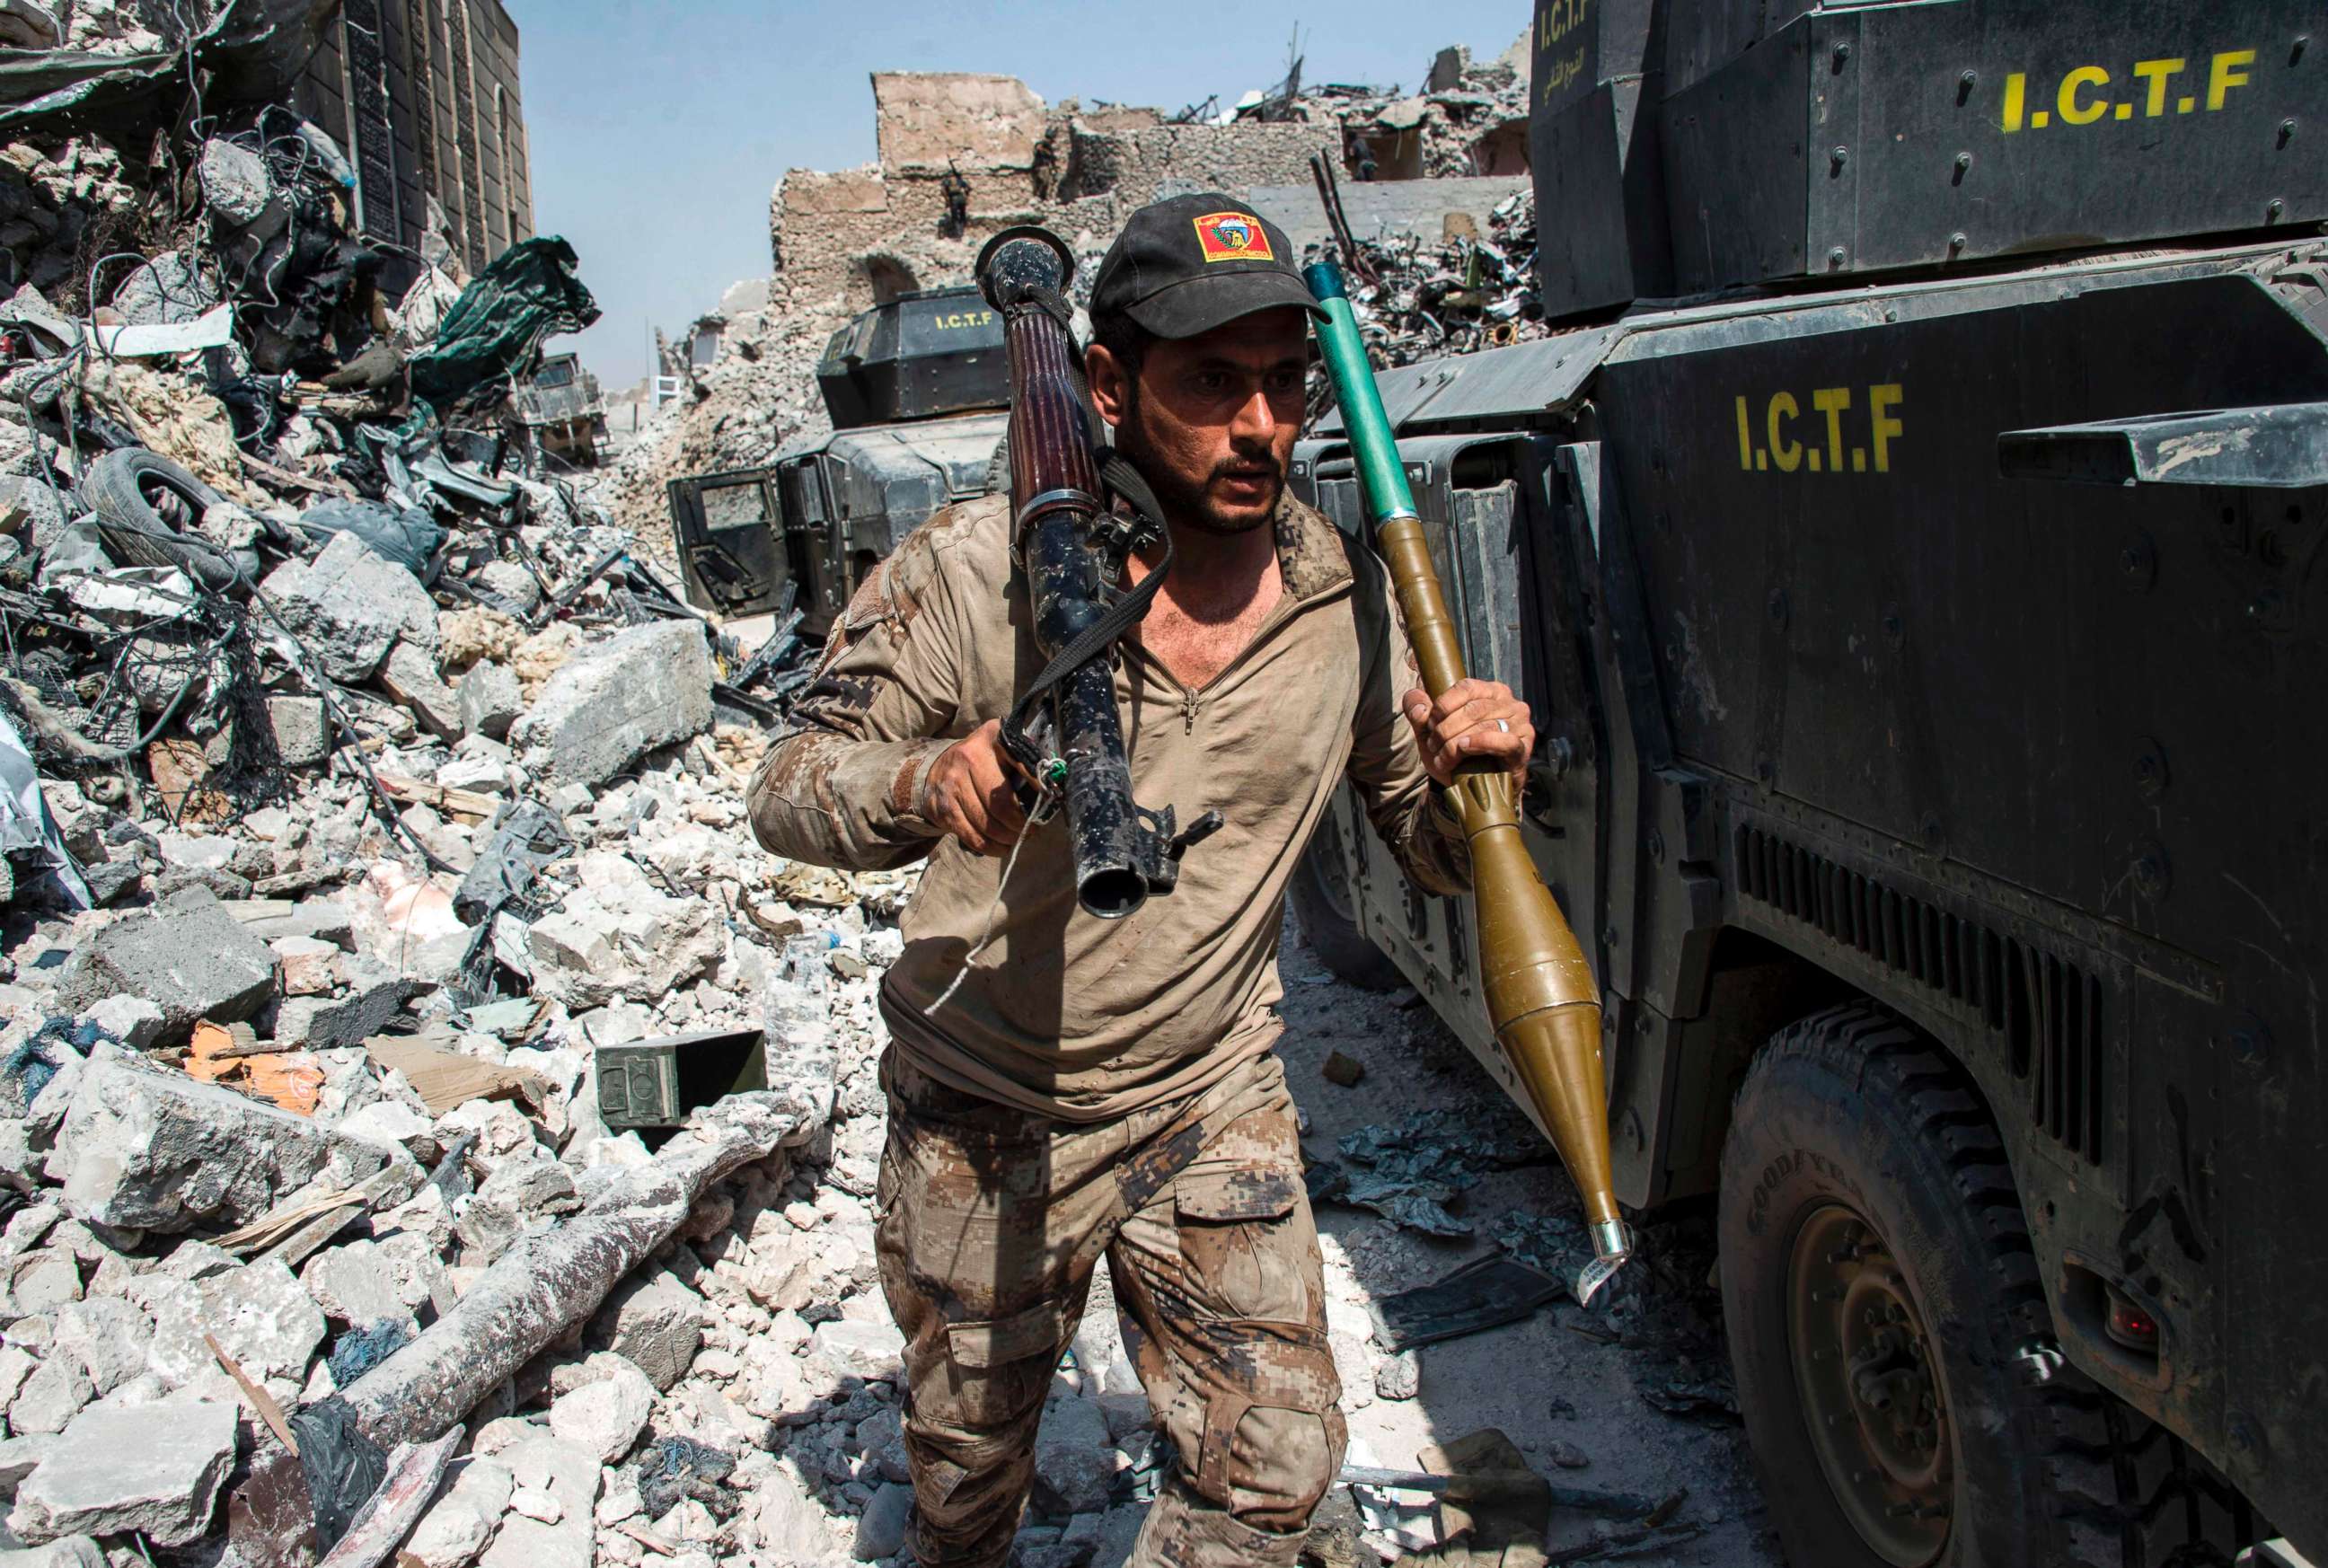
425	95
963	155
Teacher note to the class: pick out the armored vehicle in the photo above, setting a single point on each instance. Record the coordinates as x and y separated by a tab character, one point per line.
918	391
1912	548
562	412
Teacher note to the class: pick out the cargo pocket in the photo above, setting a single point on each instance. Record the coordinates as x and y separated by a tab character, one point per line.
1000	1369
1238	1266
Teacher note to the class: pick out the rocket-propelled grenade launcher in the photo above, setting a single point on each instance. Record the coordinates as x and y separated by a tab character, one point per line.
1541	994
1073	548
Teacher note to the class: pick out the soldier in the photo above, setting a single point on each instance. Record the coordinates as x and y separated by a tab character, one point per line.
1091	1087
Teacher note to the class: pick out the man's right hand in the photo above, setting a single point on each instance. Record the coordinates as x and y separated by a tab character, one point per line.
969	793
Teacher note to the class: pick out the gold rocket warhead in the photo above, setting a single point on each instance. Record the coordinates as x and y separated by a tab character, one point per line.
1547	1013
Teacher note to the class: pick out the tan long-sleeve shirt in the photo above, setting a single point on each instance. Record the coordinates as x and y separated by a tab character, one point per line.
1063	1014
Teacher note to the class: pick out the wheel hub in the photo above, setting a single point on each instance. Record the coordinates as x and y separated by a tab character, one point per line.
1871	1391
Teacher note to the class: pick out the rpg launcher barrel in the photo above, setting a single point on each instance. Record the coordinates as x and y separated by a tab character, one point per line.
1541	995
1072	547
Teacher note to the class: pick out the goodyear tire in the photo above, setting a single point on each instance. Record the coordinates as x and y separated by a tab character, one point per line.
1883	1300
124	488
1320	893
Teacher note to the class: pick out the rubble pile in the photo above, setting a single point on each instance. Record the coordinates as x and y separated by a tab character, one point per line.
1416	300
963	157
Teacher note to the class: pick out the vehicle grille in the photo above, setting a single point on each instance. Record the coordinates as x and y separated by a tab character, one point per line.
2047	1010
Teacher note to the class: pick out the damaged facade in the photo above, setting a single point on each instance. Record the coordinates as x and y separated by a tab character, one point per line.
424	94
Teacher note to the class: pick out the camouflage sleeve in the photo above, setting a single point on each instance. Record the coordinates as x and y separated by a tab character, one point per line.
842	786
1410	812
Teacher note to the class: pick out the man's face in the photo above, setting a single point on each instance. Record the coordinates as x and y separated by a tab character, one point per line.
1213	418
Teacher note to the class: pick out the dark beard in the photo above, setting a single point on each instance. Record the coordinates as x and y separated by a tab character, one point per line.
1184	503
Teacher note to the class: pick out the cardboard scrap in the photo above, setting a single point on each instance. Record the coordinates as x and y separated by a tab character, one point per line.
444	1079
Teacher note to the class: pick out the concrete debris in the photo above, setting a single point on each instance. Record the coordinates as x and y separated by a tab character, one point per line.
647	687
655	1323
489	698
350	606
153	1150
186	956
154	1469
605	1416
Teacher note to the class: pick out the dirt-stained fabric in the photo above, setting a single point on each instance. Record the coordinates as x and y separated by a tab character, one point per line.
989	1224
1064	1015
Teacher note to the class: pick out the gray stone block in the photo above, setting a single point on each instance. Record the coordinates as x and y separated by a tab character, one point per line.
656	1322
186	955
881	1532
1075	1462
157	1152
348	606
411	676
315	1023
491	700
302	734
154	1468
643	688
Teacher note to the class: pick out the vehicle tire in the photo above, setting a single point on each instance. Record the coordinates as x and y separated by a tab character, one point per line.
1320	895
124	488
1883	1306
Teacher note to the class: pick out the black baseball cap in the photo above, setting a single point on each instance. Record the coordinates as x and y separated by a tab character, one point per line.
1185	266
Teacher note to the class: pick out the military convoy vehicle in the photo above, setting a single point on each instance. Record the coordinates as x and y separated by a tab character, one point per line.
1914	548
918	390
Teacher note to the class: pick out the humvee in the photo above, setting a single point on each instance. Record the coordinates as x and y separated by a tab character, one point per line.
1911	547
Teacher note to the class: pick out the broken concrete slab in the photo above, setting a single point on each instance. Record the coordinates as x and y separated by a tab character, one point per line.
272	919
315	1023
460	1522
569	1475
131	1020
310	966
258	1313
491	700
154	1469
187	956
873	1351
350	606
655	1322
605	1416
57	1391
355	1284
111	1336
409	674
644	688
624	940
153	1150
302	730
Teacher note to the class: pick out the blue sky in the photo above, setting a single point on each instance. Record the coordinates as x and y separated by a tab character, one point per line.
659	126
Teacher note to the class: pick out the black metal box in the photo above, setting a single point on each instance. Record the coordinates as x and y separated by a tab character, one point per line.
938	351
1885	134
656	1083
1599	193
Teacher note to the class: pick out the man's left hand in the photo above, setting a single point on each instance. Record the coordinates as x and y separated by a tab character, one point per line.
1473	720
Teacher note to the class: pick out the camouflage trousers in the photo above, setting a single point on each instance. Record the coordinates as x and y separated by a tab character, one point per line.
989	1223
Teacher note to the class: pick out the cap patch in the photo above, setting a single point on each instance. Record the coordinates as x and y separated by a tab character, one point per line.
1233	236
